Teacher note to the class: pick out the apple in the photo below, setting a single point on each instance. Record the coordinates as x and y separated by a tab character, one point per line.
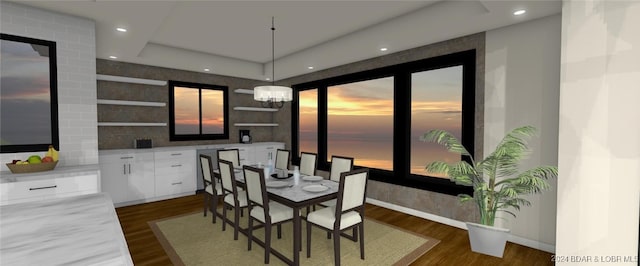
47	159
34	159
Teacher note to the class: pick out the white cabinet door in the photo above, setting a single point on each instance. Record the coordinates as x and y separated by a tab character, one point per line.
265	152
141	179
128	176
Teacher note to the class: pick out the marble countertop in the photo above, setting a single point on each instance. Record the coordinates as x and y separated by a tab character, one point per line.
81	230
60	171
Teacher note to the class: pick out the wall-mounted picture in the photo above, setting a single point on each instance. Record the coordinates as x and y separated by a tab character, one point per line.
28	94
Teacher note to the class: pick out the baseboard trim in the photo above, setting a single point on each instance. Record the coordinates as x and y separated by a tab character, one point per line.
455	223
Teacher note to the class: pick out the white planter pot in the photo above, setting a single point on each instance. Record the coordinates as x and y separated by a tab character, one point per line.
487	240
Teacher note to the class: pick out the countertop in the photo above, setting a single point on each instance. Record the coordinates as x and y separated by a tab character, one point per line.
81	230
180	148
60	171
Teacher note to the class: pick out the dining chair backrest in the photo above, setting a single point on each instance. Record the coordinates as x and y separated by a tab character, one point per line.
340	164
231	155
254	179
352	190
282	159
227	176
205	167
308	162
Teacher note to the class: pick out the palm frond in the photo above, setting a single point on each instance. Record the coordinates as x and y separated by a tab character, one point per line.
446	139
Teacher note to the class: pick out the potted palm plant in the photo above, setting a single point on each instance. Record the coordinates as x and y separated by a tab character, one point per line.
498	185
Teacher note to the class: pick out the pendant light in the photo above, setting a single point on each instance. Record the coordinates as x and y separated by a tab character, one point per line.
271	95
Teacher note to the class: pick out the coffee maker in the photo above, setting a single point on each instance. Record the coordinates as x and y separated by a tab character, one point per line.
245	137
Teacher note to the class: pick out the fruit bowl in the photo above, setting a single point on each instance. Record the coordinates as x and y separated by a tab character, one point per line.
31	168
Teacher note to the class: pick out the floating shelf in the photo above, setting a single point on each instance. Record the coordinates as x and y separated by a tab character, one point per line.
131	80
244	91
131	124
256	124
255	109
133	103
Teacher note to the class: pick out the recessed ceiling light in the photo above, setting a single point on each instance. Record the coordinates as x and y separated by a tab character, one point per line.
383	49
519	12
206	69
310	67
113	57
121	29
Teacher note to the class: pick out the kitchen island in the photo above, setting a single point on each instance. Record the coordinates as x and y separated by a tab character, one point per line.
79	230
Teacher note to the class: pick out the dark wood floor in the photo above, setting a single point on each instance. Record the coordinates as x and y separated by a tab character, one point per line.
452	250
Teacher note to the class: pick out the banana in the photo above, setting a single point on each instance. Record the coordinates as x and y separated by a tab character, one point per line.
53	153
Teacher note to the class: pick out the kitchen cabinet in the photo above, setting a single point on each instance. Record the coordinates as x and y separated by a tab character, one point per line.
128	176
175	172
264	152
142	175
58	183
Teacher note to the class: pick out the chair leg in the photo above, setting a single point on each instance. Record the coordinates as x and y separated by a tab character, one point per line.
236	223
267	242
250	233
355	233
214	207
308	240
336	246
362	240
328	235
206	203
279	231
224	218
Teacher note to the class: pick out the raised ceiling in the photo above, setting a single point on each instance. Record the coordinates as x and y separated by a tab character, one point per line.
234	37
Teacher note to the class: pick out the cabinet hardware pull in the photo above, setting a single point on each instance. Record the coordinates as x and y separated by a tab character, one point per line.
36	188
129	168
124	169
176	154
176	165
126	157
177	183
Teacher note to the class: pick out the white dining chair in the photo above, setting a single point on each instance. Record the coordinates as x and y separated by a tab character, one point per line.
348	213
232	198
262	209
282	159
212	186
231	155
308	163
339	165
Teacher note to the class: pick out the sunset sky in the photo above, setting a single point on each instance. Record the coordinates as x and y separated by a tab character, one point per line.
360	121
24	85
187	111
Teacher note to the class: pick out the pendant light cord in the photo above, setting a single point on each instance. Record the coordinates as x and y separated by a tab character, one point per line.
273	49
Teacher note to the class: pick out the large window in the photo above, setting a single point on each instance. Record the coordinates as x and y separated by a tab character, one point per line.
28	94
377	117
308	106
360	122
197	111
436	103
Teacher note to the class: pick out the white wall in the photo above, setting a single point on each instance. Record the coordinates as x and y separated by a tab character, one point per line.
76	52
522	83
599	134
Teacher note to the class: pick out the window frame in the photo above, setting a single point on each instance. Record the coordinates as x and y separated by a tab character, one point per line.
402	117
53	94
199	86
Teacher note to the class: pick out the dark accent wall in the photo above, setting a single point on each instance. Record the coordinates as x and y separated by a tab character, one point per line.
122	137
417	199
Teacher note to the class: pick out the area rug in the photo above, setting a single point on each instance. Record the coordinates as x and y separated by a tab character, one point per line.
192	239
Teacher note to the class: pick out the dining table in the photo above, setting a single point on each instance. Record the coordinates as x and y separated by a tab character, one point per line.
296	192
